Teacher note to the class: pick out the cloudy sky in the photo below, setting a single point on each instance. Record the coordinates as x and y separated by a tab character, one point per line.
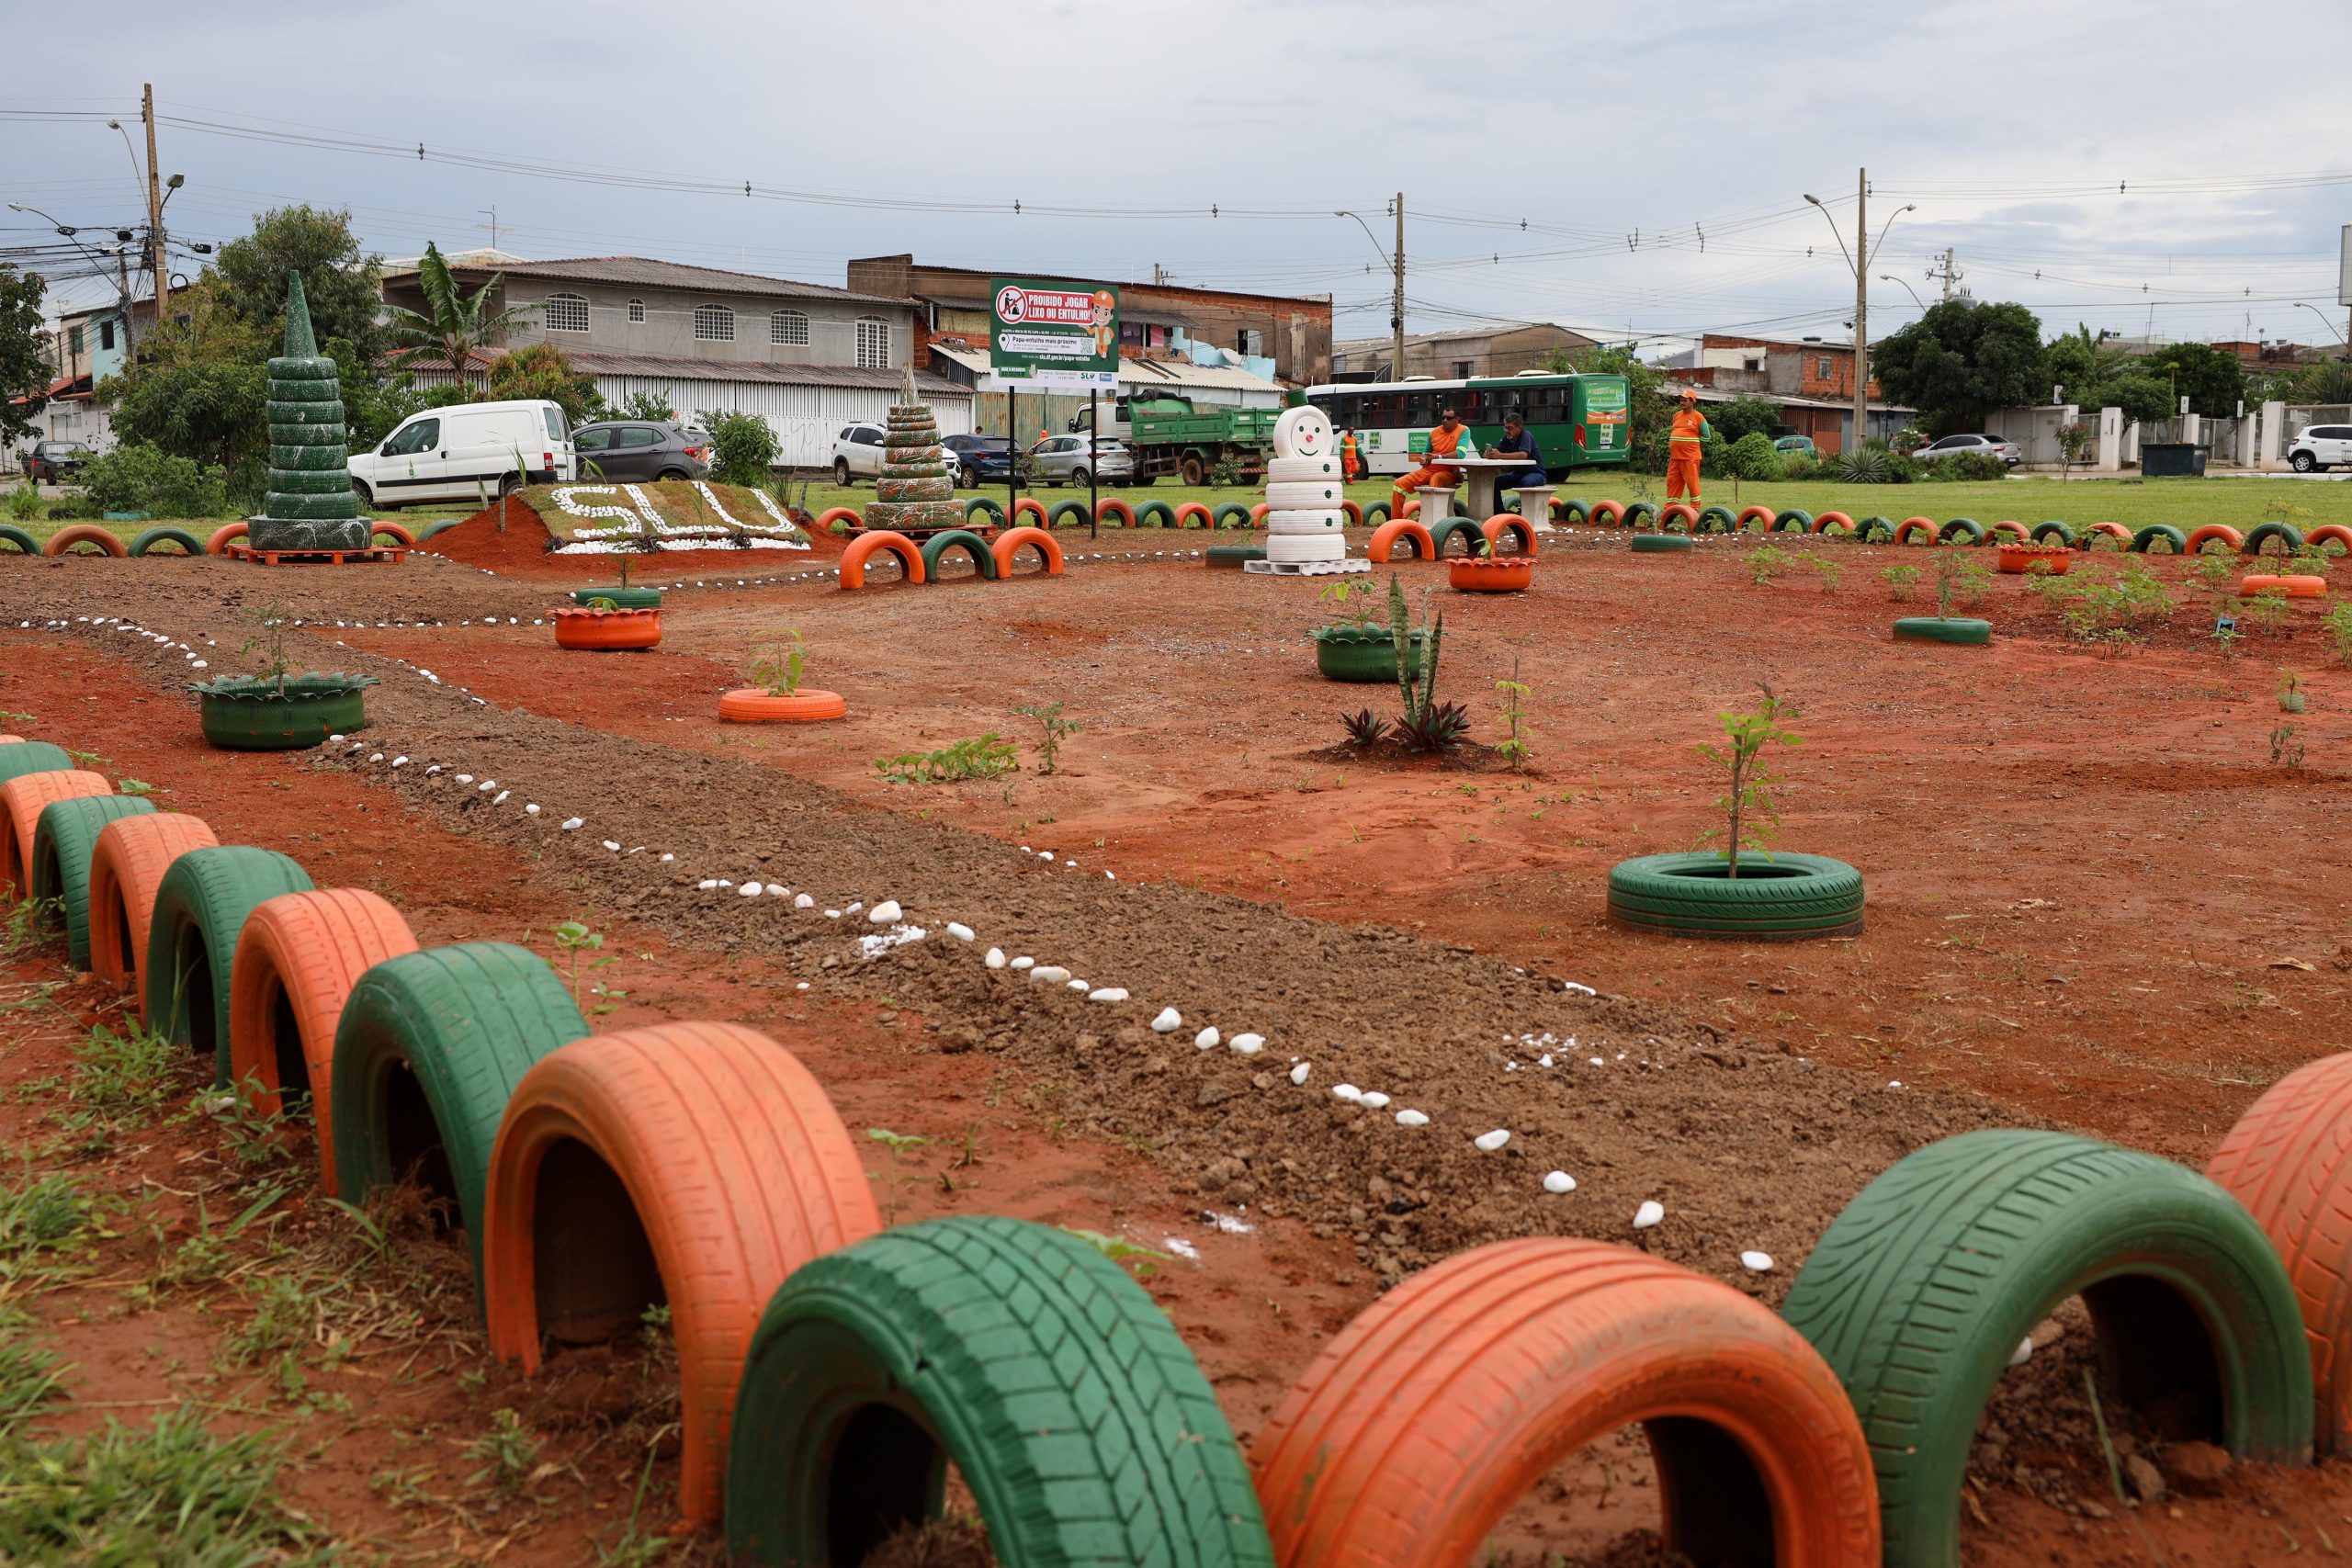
1629	170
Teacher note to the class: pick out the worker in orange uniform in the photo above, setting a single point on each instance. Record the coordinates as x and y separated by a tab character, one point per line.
1682	450
1445	441
1351	460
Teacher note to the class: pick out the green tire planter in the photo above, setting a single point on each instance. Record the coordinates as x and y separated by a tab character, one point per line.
1155	514
1873	528
2286	533
1962	528
1717	520
1375	514
22	757
2153	533
1473	536
1792	520
2054	533
1641	514
1361	653
1571	510
200	910
1958	629
1657	544
64	836
1920	1291
148	539
1230	514
622	598
1228	557
1789	898
16	539
1077	512
1017	1353
935	548
980	503
438	526
252	713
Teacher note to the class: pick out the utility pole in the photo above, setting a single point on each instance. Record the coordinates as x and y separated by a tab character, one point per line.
1158	275
1947	272
156	258
1862	308
1397	310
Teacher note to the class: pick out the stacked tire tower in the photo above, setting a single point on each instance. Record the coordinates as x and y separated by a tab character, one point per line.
309	505
1305	499
915	494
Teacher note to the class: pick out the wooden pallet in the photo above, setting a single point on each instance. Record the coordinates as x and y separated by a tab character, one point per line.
237	550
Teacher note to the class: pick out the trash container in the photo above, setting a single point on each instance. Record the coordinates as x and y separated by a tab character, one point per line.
2172	460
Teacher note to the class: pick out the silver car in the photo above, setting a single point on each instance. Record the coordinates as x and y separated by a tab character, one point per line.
2009	452
1066	460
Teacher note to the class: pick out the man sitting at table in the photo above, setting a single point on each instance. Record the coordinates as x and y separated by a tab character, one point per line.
1445	441
1517	442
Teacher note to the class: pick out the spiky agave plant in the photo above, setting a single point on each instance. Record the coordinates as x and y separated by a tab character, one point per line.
1363	730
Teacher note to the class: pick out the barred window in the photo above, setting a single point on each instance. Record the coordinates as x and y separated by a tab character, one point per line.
872	343
788	326
715	323
566	313
637	310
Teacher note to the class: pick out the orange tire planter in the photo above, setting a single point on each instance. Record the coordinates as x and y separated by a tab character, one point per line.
21	801
1412	508
1911	525
1111	506
832	514
218	543
398	535
1257	516
2297	586
1682	509
757	705
298	956
2108	530
2199	538
1384	539
868	544
2325	532
1606	513
1821	523
109	542
126	868
1355	513
1008	544
1032	507
10	740
2289	1160
696	1162
1754	514
1194	509
2015	529
1484	574
1509	523
2054	561
607	631
1448	1399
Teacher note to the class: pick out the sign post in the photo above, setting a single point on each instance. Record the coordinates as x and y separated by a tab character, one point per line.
1053	337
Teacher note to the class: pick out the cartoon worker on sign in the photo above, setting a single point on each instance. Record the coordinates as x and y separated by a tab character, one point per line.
1105	307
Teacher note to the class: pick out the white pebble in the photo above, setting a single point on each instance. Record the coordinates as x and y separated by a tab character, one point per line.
1596	1061
1107	994
1559	1181
885	912
1078	985
776	890
613	845
1053	974
959	930
485	786
1300	1073
1756	1262
532	809
707	882
331	739
802	901
995	958
666	859
397	761
500	798
1249	1044
1492	1141
751	890
1544	1062
1894	1083
1347	1092
1375	1101
375	756
1169	1021
571	822
1208	1039
1649	1213
1024	961
832	914
1412	1119
2023	1353
1045	854
462	778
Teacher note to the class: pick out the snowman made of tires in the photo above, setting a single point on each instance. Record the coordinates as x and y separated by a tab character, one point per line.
1306	499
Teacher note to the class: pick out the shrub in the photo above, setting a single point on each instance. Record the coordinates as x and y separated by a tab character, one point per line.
1752	457
137	477
982	757
1967	468
25	502
742	447
1873	464
1798	466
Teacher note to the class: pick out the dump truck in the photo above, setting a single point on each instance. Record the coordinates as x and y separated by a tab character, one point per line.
1169	435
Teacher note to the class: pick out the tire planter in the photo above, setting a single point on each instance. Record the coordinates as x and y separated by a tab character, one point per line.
1717	519
1155	514
1362	654
400	538
2159	533
1763	515
436	528
1792	520
1512	574
62	842
1010	543
1404	531
970	544
622	598
1657	544
1257	516
19	540
1960	630
1871	530
297	960
869	545
757	705
22	757
1410	508
1919	1291
1374	514
2006	530
2294	587
1073	509
247	713
218	543
1680	512
980	503
1191	509
1512	525
1474	540
832	514
1055	1386
1355	513
126	867
429	1048
2327	534
2053	561
200	910
2054	532
1231	514
1828	519
1111	506
148	539
599	1206
109	542
1568	509
2199	538
1962	528
2290	538
2093	533
1405	1441
1787	899
1911	525
1231	557
22	801
1605	513
1641	514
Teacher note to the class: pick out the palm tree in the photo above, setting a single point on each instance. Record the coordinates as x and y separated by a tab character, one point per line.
456	328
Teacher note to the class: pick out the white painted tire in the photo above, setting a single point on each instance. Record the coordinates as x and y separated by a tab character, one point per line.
1303	497
1313	522
1303	431
1298	548
1301	471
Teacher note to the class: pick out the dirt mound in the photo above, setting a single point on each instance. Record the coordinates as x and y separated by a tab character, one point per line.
515	538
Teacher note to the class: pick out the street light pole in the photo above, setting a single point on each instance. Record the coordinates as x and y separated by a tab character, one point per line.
155	209
1858	259
1396	263
1890	277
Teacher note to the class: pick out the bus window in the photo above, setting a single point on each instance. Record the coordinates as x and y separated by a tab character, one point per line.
1421	408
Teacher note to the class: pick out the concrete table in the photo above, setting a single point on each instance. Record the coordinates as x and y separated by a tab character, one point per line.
1480	474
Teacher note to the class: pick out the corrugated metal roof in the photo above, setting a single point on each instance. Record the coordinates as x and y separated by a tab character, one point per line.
1139	372
680	368
644	271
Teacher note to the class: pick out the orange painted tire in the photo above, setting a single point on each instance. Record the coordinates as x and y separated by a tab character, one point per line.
1194	509
1008	542
2105	530
1412	508
1606	513
2199	538
2326	531
400	536
21	801
1688	514
756	705
1821	523
126	868
1511	523
1911	525
2294	587
607	631
11	739
1414	1432
1111	506
2016	531
219	543
1031	506
866	545
1355	513
1764	514
1257	516
832	514
110	543
1484	574
1384	539
298	956
2289	1160
696	1162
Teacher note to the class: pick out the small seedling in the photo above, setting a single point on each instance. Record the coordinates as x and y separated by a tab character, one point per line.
777	663
573	938
2290	692
1826	571
2266	611
267	647
1346	594
2338	627
982	757
1120	1250
508	1454
1901	579
1514	691
139	787
1766	562
2285	748
897	1144
1752	814
1057	730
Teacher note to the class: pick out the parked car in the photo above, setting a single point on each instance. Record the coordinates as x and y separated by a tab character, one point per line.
455	453
1794	444
49	461
857	453
978	459
1066	460
2009	452
632	450
2320	446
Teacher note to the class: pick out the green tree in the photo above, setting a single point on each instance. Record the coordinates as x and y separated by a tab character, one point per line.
2142	398
540	370
2211	380
457	325
1961	360
648	405
2329	381
742	447
1744	417
25	371
342	283
198	388
2083	364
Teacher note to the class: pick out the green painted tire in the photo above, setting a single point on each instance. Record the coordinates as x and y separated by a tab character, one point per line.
292	724
1343	654
1054	1384
19	540
307	459
1155	514
1919	1293
1785	898
1230	558
1232	508
1958	629
2286	533
1445	531
2149	536
1869	530
1963	527
1717	520
64	836
1375	514
23	757
980	503
430	1047
622	598
163	534
1572	510
1657	544
1792	520
200	909
1641	514
1077	510
964	539
438	526
2054	530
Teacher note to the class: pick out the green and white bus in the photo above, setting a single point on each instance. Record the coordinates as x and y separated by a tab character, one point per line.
1580	422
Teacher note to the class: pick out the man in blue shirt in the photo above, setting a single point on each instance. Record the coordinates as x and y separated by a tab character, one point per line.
1517	442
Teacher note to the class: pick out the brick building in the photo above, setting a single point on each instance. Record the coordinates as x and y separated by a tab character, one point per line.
1457	355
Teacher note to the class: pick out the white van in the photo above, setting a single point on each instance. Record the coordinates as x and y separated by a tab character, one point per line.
457	453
